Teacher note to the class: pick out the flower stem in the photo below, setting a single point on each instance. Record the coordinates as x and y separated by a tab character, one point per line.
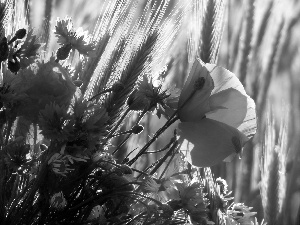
170	121
117	125
100	93
157	134
128	136
171	151
161	175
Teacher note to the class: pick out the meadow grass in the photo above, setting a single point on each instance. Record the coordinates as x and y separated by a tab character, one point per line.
125	157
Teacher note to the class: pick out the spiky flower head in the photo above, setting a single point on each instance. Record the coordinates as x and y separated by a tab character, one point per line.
78	39
52	121
241	213
191	197
15	154
147	96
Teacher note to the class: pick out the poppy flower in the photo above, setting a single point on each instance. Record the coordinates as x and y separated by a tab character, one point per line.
216	120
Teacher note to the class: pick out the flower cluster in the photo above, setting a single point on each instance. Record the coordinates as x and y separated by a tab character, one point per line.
63	158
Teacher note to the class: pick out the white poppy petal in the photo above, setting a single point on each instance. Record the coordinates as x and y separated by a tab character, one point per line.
225	80
249	125
197	105
208	142
228	106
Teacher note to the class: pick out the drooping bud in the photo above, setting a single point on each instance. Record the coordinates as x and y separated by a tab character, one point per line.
137	129
126	169
77	83
117	87
63	52
20	34
14	66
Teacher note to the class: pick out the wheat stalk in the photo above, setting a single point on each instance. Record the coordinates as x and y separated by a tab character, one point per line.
47	22
273	170
247	43
271	68
211	31
263	26
115	102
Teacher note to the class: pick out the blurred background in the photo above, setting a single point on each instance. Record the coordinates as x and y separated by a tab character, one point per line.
259	41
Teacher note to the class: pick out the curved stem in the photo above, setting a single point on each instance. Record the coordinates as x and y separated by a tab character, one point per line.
161	175
100	93
128	136
170	121
164	158
157	134
117	125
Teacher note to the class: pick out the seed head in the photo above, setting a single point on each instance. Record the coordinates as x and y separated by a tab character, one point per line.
199	83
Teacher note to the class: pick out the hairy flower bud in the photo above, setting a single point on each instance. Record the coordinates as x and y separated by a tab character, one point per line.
137	129
63	52
14	66
126	169
20	33
77	83
117	87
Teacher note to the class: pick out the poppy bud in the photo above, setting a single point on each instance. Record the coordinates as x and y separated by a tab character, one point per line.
118	86
43	147
137	129
63	52
20	33
126	169
15	66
